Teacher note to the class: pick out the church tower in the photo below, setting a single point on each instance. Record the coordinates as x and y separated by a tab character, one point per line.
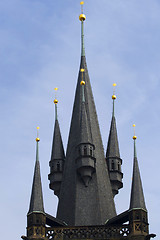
84	179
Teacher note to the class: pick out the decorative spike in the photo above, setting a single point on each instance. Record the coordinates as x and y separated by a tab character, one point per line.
55	102
82	18
134	138
113	97
37	139
81	3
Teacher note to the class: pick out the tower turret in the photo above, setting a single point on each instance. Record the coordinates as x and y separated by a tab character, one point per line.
85	161
81	201
57	157
113	159
36	217
138	212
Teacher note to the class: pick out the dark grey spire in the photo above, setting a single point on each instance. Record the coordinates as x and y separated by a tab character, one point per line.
81	199
57	146
85	134
85	131
113	159
57	157
113	146
137	197
36	202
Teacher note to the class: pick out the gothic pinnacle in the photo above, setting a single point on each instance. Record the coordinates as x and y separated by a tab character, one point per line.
137	197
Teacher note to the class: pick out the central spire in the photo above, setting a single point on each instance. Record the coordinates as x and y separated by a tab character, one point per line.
85	184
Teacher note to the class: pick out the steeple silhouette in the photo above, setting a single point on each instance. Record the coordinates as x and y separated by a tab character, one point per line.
85	181
36	202
137	196
113	159
57	157
75	205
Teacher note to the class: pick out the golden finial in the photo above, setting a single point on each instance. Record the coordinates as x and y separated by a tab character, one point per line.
82	71
37	139
55	100
82	17
82	82
134	137
114	96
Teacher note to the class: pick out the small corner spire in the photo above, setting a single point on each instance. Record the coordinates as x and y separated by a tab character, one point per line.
137	200
82	18
113	159
37	147
134	138
36	201
57	155
55	102
113	97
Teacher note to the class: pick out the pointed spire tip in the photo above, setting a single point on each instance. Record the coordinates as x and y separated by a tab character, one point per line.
37	138
114	96
134	137
82	17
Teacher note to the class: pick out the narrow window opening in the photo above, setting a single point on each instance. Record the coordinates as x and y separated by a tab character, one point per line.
85	150
91	151
112	165
119	167
58	167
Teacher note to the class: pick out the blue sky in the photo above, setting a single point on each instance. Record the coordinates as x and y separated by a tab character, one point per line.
40	50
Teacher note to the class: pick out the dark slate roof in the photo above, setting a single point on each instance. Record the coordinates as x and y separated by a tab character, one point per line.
52	221
85	134
119	219
36	202
80	205
113	147
137	196
57	146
